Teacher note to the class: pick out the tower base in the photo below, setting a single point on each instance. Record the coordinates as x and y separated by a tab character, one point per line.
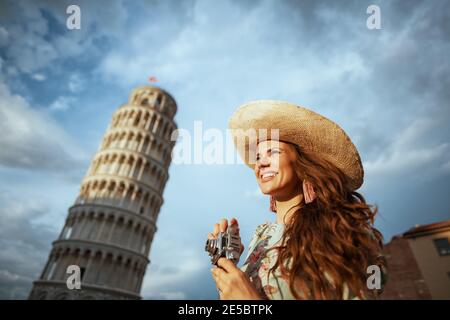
57	290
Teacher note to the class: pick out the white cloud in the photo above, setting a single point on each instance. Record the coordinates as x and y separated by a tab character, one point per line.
446	167
8	276
176	266
38	77
3	36
170	295
76	83
25	243
409	151
30	48
34	54
62	103
29	138
401	160
196	49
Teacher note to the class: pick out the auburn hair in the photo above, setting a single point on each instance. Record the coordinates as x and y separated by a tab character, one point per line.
328	243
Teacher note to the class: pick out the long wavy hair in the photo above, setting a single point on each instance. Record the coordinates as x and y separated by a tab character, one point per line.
329	243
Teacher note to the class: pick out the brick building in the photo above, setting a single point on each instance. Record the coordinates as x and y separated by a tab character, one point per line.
419	263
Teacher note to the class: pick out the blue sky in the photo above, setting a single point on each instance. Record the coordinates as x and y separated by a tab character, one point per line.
387	88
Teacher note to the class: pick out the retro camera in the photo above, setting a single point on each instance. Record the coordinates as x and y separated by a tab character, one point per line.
226	245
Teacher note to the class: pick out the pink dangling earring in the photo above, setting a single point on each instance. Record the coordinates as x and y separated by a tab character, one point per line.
308	192
273	204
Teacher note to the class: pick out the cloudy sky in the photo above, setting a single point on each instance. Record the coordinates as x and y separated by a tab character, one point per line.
387	88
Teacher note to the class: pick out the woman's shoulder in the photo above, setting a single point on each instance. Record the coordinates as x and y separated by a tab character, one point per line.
268	232
258	234
268	225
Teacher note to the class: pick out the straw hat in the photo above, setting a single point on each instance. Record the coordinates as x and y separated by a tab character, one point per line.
300	126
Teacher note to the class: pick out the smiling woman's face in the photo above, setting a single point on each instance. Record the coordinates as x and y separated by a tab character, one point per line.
274	169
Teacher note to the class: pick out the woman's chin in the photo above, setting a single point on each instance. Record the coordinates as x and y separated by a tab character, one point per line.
267	191
268	188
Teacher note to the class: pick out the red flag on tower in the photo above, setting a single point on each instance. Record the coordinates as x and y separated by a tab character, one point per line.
152	79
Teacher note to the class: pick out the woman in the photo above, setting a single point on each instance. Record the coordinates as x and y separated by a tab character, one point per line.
323	239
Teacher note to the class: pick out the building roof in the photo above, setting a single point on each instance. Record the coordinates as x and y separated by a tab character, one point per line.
422	230
153	88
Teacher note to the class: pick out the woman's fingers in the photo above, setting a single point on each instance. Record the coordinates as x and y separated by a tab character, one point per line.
218	275
223	225
216	230
226	264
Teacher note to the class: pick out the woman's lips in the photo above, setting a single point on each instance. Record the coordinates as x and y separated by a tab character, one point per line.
267	176
266	179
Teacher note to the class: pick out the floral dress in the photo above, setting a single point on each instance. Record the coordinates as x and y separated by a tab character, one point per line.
259	260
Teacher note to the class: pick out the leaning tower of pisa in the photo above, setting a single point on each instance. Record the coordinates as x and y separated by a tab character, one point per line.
109	230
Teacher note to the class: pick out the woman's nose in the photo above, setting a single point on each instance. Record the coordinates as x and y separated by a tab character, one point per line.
264	161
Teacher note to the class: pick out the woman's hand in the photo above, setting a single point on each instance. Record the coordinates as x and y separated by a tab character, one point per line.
222	227
232	283
230	280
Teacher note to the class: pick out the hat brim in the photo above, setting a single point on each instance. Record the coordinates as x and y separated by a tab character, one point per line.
300	126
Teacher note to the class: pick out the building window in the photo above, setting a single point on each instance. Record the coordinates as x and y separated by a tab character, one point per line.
158	101
67	233
442	246
82	272
52	271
